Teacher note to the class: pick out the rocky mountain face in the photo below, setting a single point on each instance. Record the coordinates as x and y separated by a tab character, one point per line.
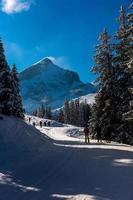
48	84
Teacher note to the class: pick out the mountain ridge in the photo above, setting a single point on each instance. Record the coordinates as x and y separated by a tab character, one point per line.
46	83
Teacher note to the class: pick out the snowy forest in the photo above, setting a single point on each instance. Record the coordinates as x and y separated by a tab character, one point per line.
73	112
113	108
10	98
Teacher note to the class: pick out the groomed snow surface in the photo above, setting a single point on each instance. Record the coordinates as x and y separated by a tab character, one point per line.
54	163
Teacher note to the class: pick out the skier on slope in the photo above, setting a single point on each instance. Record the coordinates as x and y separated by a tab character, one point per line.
34	124
108	135
40	124
45	124
48	123
99	138
29	119
86	132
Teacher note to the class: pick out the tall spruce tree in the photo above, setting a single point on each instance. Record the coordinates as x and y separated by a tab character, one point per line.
18	110
66	112
81	115
129	64
77	113
6	95
48	114
87	112
72	112
61	116
122	48
128	116
103	110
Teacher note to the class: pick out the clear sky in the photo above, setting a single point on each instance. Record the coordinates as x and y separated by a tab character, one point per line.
64	29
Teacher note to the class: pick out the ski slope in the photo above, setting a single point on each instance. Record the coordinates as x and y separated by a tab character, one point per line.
54	163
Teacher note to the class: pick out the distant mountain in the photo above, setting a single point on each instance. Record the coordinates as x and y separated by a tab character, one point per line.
44	82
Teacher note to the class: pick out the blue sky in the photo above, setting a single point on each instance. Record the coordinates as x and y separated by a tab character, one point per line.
64	29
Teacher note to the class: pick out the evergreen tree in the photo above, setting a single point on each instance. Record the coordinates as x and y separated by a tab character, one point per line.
77	114
103	110
61	116
122	48
34	113
66	112
6	96
48	114
129	64
130	37
42	111
115	80
81	115
87	113
18	110
128	116
72	112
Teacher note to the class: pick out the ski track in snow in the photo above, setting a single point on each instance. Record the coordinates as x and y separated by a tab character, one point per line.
62	167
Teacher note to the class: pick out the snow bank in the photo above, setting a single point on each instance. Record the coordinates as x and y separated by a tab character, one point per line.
16	134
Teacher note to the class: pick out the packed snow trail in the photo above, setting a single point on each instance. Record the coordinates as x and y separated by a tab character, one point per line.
36	167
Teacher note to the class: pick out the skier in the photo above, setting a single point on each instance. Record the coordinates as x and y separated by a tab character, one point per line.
41	124
44	123
86	132
108	135
34	124
29	119
99	139
49	123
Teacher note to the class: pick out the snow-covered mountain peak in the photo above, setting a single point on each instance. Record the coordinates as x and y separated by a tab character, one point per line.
47	83
45	61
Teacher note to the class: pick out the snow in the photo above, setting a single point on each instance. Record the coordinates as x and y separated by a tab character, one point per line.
54	163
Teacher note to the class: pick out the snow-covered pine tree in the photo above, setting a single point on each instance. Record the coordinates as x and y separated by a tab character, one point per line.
81	115
128	116
87	112
129	64
72	112
18	110
103	111
34	113
122	56
48	114
39	112
130	36
61	116
42	111
6	97
66	112
76	114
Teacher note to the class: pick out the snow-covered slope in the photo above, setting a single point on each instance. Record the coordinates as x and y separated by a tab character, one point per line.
57	130
44	82
35	167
